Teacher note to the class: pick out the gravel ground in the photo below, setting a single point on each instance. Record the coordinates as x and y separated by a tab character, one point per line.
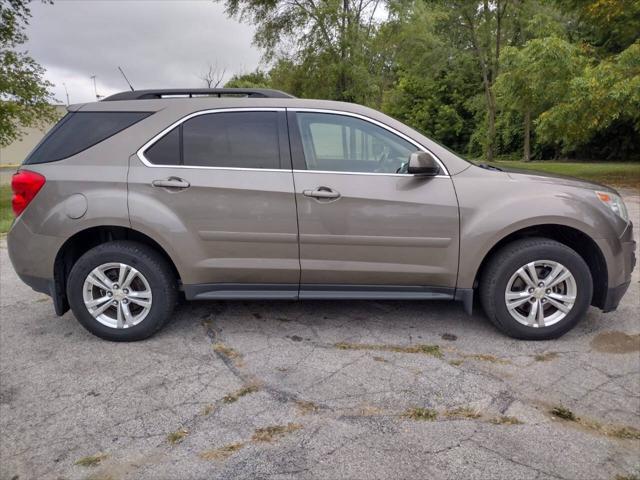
329	390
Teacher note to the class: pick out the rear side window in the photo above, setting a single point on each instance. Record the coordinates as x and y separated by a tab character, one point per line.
166	151
230	139
78	131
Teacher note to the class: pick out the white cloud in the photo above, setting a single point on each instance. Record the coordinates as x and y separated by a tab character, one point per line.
161	43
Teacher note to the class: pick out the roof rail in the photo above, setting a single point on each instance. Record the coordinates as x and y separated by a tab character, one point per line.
191	92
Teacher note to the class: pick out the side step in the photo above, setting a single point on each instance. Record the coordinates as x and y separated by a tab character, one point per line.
292	291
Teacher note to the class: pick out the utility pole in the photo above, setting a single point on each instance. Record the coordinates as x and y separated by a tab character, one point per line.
95	89
66	92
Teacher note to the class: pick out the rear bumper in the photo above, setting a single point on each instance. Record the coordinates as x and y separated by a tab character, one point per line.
32	257
41	285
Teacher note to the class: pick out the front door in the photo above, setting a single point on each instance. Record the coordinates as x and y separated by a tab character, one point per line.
217	191
364	225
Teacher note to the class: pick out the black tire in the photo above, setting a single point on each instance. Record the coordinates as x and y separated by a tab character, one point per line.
150	264
504	263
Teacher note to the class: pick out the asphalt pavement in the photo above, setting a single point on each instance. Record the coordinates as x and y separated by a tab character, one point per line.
313	389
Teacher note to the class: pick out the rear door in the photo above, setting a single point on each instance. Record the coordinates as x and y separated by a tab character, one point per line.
364	225
216	190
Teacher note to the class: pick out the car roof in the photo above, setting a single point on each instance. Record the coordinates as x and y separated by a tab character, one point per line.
172	109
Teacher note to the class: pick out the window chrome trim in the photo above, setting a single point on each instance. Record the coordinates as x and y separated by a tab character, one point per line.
155	138
381	125
403	175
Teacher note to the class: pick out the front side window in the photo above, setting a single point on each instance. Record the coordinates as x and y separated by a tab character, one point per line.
228	139
339	143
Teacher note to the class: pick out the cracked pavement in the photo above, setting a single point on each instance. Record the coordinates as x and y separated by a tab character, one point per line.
329	378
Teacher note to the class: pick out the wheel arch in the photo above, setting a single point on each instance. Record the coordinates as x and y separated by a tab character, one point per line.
83	241
572	237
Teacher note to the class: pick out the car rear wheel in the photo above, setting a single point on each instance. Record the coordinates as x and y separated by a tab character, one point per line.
536	289
122	291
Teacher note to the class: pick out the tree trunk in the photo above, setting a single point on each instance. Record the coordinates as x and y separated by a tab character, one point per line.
527	135
491	117
491	125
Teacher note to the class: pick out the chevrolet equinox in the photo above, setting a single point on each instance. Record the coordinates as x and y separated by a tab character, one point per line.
145	196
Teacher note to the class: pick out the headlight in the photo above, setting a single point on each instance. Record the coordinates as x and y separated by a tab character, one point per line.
615	203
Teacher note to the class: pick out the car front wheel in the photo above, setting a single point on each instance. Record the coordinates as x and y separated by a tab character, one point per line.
122	291
536	289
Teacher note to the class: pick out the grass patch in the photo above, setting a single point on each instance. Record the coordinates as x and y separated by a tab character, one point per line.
506	420
564	413
628	433
228	354
6	214
235	396
432	350
462	412
617	431
90	460
225	350
221	453
614	173
483	357
418	413
274	432
100	476
546	356
178	436
306	408
208	410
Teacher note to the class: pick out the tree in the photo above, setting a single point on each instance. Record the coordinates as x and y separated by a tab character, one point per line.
330	39
481	27
611	26
257	79
212	77
536	77
436	84
605	94
25	98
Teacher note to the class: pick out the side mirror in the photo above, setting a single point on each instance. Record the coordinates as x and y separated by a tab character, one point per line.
423	163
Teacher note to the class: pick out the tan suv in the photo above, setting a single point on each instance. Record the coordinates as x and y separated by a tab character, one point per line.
219	194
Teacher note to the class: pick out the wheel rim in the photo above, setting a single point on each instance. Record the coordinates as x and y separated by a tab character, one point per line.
541	293
117	295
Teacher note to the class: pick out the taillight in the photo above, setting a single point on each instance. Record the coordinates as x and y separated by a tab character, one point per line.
25	186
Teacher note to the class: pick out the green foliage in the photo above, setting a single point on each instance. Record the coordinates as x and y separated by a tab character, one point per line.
257	79
329	43
604	94
536	76
24	94
494	77
609	25
622	174
6	214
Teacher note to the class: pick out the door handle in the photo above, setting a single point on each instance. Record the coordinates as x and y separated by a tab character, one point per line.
322	193
171	182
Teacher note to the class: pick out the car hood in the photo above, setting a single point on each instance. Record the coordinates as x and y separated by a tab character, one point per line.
534	176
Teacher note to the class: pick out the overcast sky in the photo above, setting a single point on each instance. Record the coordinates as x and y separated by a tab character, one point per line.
158	43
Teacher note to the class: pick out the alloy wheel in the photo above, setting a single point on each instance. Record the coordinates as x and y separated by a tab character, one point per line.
117	295
541	293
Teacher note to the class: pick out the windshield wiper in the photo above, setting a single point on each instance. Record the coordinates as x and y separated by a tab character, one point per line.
486	166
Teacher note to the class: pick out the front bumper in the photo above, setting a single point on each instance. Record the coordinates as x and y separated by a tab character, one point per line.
614	295
625	266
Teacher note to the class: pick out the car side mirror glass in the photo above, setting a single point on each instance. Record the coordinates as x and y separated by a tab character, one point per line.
423	163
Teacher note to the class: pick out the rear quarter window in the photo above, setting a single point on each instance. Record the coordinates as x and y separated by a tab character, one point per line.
78	131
